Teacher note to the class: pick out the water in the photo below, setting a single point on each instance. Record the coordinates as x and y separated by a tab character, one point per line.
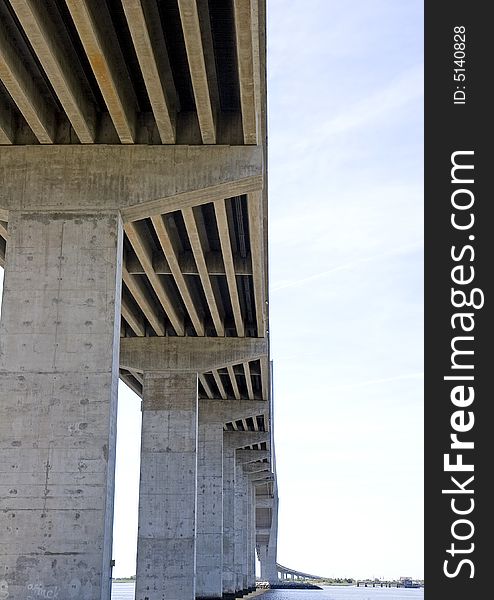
125	591
122	591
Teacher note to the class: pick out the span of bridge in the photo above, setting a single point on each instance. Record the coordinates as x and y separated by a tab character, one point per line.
133	233
287	573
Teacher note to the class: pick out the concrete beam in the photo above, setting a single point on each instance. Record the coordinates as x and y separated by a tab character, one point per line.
46	42
213	263
245	12
258	467
140	181
141	243
141	296
248	379
261	477
3	230
264	502
21	86
256	233
192	226
241	439
7	125
250	456
192	354
219	384
226	249
206	112
133	318
144	24
230	410
161	226
95	29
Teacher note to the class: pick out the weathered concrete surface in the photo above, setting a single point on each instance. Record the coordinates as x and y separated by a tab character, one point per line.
209	553
241	528
59	342
268	549
250	456
140	180
166	546
196	354
229	576
251	546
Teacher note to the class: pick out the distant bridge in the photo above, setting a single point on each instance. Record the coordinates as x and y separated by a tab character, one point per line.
287	573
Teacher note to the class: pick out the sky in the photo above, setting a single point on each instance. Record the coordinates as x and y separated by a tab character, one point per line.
345	93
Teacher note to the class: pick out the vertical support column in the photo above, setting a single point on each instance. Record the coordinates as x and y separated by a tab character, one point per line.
209	576
59	349
252	538
268	551
241	527
166	546
229	527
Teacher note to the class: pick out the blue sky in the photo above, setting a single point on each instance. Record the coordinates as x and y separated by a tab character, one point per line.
346	258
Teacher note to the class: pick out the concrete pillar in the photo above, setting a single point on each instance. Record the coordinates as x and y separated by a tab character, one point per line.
209	576
251	536
229	576
268	551
166	546
241	527
59	348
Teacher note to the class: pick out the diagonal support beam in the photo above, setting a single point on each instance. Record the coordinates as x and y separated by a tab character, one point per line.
145	28
206	386
3	230
194	354
254	203
233	379
141	297
141	245
219	384
198	72
46	42
20	85
226	249
173	261
134	320
7	125
245	28
200	259
95	29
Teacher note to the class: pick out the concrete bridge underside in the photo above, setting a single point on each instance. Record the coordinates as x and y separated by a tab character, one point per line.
133	234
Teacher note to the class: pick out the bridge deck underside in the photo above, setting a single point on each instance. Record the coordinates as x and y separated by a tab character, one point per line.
155	72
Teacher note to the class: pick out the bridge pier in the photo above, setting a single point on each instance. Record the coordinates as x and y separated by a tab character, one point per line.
229	573
241	540
209	574
166	545
59	345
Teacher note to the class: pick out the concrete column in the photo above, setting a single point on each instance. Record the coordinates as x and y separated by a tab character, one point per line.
59	348
229	577
209	576
241	526
252	537
166	546
268	552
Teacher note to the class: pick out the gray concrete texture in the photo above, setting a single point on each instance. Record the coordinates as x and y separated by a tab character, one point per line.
59	343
